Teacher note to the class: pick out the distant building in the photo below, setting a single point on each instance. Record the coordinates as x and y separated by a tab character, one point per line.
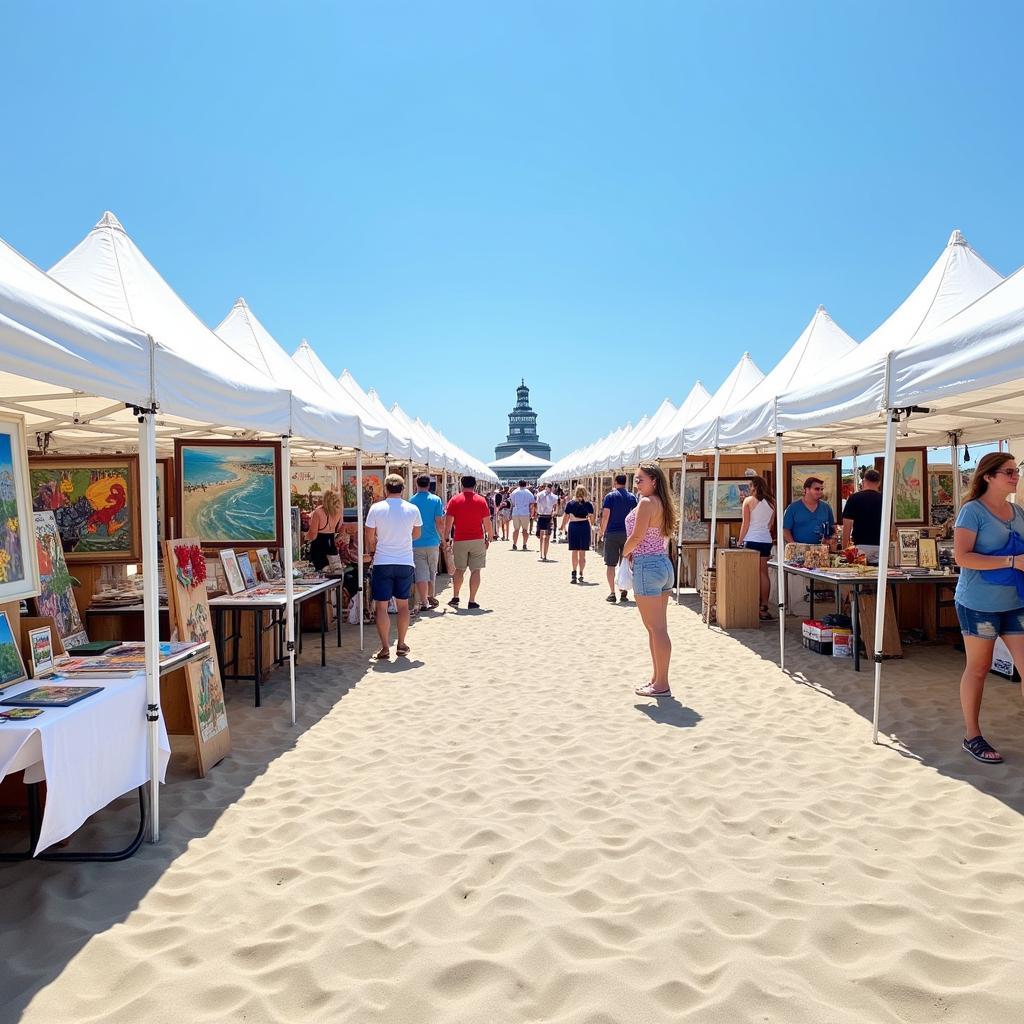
523	455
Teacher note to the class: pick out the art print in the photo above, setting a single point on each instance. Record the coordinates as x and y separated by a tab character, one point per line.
309	484
265	563
728	505
910	480
56	584
928	553
12	668
829	471
19	573
229	492
232	573
907	544
941	499
373	488
248	573
95	502
40	651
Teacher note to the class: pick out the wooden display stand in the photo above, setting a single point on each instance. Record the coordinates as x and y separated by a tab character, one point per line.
891	646
738	585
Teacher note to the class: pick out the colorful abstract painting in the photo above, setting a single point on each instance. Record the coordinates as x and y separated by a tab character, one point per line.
56	585
95	502
229	493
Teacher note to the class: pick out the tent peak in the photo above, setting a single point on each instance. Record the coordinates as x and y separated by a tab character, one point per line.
956	238
240	303
821	309
108	220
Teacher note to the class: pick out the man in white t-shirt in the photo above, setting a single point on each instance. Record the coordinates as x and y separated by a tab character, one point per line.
547	502
523	506
391	527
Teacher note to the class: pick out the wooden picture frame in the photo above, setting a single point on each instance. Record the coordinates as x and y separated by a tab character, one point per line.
908	547
41	658
910	486
828	470
12	666
18	558
732	492
928	553
213	476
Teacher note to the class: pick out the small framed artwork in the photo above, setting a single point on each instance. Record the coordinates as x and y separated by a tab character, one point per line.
928	553
266	567
910	486
19	567
12	668
732	492
247	571
829	471
232	572
908	543
40	651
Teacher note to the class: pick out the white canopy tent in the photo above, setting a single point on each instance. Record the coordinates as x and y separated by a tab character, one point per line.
401	444
611	457
521	459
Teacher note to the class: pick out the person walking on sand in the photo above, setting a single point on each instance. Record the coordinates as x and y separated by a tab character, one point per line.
618	503
756	533
523	505
988	544
579	515
426	548
547	502
467	512
650	525
504	513
391	527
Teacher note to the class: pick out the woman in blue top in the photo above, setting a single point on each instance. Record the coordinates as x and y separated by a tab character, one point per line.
989	548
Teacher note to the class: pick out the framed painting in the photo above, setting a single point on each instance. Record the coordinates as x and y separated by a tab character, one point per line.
732	492
40	651
928	553
373	489
265	563
56	585
232	572
296	533
164	499
695	529
95	502
246	568
830	471
908	543
941	499
229	492
12	668
19	568
910	486
309	484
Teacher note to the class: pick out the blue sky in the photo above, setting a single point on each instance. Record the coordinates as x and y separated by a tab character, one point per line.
611	200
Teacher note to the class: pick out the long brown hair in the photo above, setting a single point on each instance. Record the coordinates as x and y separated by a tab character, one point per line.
987	465
762	491
669	512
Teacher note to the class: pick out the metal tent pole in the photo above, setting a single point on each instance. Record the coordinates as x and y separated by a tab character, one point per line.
780	550
679	532
288	563
408	480
360	542
883	558
151	609
714	509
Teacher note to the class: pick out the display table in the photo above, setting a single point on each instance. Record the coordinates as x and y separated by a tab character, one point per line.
863	584
89	754
237	605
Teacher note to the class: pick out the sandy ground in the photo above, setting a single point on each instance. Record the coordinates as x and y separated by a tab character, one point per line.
497	830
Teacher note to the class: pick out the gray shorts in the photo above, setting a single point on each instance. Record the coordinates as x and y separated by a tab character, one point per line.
613	545
425	560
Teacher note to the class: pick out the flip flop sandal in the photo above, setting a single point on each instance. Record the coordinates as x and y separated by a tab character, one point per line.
979	747
382	655
649	691
402	650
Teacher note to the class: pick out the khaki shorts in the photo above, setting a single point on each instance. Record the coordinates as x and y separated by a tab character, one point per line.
425	561
470	554
521	523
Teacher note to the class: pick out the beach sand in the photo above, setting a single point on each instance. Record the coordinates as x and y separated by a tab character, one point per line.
497	830
196	501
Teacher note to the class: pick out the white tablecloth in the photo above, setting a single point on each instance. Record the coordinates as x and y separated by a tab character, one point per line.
90	753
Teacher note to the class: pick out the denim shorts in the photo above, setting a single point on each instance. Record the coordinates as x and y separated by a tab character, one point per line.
763	548
653	575
989	625
392	581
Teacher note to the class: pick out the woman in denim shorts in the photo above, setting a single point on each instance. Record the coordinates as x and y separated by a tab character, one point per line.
989	548
649	526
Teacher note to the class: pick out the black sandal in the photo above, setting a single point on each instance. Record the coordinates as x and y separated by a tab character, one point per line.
979	747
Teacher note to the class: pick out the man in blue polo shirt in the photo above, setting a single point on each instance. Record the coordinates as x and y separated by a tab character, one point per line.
618	503
426	549
809	520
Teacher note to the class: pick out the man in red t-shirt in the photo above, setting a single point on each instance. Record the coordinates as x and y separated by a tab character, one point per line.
469	513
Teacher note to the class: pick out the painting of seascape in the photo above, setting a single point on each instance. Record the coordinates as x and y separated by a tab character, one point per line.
229	492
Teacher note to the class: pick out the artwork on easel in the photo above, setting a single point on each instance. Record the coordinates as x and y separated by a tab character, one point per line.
56	585
189	611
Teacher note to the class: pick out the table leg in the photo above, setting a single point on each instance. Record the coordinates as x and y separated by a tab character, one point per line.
323	627
257	654
855	618
218	636
337	598
811	582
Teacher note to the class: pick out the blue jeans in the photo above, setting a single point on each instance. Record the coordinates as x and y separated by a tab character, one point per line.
392	581
652	575
989	625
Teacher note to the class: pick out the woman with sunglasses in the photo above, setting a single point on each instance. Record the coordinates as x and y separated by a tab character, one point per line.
989	548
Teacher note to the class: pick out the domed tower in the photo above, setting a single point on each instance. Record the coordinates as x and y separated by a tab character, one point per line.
522	429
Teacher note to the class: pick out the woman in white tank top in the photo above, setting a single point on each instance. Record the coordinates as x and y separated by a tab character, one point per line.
756	532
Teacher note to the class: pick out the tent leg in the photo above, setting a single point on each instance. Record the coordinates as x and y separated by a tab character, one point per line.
714	509
289	582
954	455
883	559
679	532
359	533
151	611
780	550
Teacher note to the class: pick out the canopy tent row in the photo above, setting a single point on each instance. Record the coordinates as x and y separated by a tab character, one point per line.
103	354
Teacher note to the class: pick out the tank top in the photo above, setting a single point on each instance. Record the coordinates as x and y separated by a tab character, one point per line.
654	542
761	516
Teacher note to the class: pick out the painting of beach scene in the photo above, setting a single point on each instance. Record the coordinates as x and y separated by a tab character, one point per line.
12	669
18	574
229	492
56	585
95	502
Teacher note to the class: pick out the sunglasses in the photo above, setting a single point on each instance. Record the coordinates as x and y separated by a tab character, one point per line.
1007	472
